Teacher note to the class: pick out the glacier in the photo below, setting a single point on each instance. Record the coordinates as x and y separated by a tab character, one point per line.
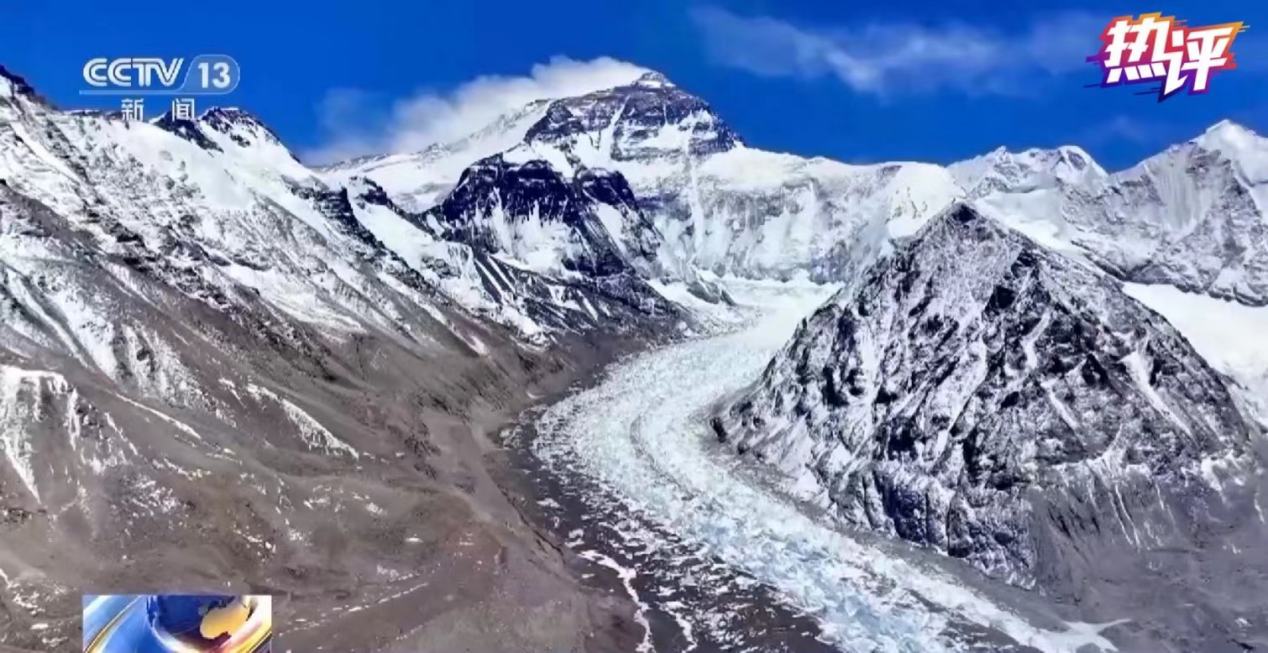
642	431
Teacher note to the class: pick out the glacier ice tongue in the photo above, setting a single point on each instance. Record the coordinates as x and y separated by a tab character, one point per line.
642	433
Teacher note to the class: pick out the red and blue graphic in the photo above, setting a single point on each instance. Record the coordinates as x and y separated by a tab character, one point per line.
1165	53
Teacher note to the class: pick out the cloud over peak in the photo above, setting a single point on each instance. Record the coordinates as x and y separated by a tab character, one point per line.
353	127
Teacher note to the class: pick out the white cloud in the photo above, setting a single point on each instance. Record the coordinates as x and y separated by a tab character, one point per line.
354	128
894	58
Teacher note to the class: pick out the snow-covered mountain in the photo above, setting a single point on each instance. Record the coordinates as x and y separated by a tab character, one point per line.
1003	384
979	394
717	205
210	357
1191	217
193	321
1009	172
519	245
588	224
107	220
647	119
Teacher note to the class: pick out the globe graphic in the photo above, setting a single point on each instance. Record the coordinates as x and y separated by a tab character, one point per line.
181	616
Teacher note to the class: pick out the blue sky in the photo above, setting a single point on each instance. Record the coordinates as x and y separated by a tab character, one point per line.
933	81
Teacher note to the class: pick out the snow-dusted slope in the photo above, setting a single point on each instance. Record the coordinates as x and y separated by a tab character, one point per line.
1228	334
212	366
726	208
216	208
141	263
542	262
1192	216
753	213
1002	170
522	246
716	205
418	181
981	395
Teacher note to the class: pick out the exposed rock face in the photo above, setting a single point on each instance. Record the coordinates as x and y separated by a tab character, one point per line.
531	213
634	119
980	395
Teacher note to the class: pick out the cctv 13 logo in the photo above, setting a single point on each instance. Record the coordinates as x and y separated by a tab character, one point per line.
206	74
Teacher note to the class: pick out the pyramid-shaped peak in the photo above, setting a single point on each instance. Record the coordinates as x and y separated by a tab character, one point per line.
653	79
1239	144
239	124
1229	136
1227	126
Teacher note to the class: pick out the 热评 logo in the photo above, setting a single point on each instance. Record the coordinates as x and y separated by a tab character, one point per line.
1157	49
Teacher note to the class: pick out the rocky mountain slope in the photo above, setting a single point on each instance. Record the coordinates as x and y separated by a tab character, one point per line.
936	390
212	368
981	395
521	246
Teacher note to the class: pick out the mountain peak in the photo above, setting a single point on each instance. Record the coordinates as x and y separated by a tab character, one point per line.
653	79
1242	146
1227	126
960	218
1227	134
640	118
1073	155
223	117
1005	170
12	85
975	362
243	127
959	211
